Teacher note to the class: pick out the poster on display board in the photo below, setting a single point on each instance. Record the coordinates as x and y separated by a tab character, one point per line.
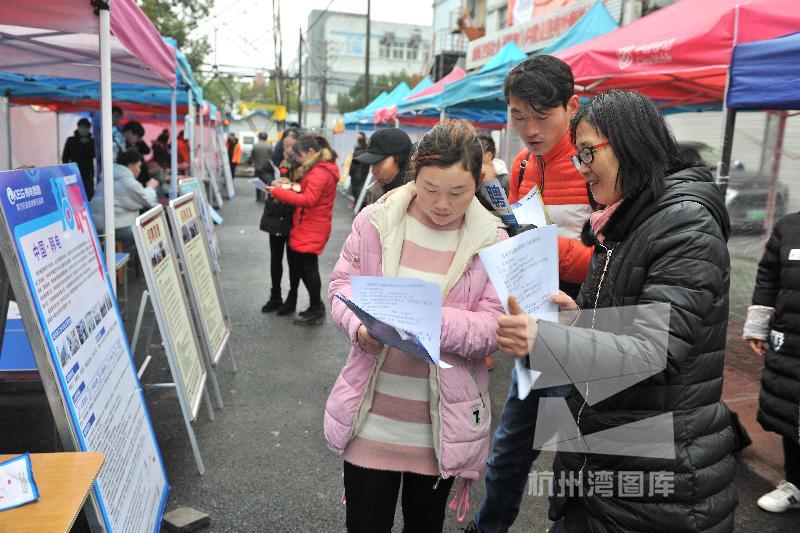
160	267
207	214
55	264
204	289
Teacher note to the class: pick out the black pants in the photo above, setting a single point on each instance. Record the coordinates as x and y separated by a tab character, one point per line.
372	497
305	267
791	460
277	244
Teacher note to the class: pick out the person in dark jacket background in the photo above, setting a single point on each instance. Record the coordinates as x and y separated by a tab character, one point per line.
388	153
660	243
313	198
133	131
277	221
772	330
358	170
79	149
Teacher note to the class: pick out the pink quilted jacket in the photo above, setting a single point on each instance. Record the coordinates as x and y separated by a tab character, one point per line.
460	410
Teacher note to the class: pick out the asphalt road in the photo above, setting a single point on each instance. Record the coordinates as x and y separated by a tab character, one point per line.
267	467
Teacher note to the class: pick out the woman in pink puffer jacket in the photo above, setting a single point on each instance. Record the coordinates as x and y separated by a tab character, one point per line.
392	417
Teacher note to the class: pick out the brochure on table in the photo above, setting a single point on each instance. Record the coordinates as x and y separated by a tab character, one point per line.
17	486
202	283
55	264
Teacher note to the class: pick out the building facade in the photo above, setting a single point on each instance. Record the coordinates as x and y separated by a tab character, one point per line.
336	57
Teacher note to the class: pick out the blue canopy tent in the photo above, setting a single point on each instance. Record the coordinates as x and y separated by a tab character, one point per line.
395	97
763	75
766	74
358	116
388	114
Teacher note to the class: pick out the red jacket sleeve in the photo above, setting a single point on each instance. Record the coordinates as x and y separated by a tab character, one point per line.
573	260
312	186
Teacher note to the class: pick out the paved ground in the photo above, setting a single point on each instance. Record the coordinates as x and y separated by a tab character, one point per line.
267	467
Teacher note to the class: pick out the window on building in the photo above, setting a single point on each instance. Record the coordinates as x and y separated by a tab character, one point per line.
412	52
502	18
398	51
385	51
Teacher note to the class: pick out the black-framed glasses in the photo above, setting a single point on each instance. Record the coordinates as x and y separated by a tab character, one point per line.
586	154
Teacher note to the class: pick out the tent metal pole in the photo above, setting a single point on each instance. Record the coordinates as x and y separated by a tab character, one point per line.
202	141
8	133
189	130
723	171
58	138
173	153
106	144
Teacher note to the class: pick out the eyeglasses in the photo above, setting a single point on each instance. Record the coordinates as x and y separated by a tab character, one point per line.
586	154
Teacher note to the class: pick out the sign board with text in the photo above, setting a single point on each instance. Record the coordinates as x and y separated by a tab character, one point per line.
55	264
530	36
204	290
160	266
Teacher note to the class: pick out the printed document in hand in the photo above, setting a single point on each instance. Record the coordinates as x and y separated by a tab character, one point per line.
527	267
257	184
530	209
404	313
17	486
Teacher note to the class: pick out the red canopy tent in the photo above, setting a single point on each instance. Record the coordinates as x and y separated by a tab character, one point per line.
680	54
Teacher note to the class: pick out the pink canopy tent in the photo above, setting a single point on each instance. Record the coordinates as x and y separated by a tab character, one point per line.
680	54
87	40
61	38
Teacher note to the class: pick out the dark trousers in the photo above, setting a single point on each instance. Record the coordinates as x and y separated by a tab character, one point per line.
791	460
277	244
305	267
372	497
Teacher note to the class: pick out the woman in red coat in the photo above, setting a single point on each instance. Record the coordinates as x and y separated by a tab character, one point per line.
313	198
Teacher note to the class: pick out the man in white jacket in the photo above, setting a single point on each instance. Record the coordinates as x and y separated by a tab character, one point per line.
130	197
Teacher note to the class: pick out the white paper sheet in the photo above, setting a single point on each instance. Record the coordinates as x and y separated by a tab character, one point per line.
406	304
527	267
530	209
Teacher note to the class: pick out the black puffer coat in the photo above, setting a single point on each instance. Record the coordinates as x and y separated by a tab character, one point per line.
778	286
669	251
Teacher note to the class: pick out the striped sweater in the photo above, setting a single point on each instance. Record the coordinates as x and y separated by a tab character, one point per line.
397	434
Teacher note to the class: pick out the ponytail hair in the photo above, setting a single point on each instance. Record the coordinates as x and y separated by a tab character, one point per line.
317	143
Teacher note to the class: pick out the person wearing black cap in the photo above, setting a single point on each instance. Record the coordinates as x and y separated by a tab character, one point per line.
388	154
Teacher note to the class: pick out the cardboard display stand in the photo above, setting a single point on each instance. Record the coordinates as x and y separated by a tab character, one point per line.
55	265
160	267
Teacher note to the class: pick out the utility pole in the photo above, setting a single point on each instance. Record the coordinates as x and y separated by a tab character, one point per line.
366	66
300	79
278	45
324	86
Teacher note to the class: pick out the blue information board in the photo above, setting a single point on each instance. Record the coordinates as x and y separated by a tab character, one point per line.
56	268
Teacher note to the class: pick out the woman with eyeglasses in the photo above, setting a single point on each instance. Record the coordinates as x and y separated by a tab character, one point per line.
648	446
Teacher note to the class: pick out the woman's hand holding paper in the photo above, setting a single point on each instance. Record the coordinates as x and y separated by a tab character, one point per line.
517	331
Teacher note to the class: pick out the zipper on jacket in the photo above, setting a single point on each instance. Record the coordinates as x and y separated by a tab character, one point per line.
436	483
477	386
609	252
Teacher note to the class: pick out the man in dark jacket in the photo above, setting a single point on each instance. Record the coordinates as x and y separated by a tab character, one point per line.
773	331
358	170
79	149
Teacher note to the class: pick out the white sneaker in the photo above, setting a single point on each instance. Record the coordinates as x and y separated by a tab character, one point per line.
786	496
